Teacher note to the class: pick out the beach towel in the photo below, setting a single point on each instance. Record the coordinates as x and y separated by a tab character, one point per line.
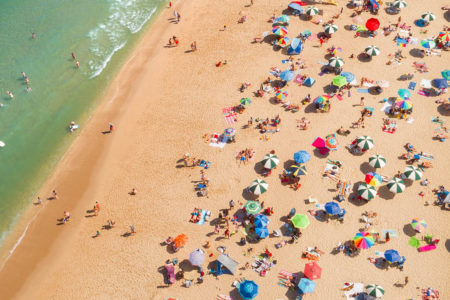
425	83
220	144
433	119
363	91
298	79
349	94
392	233
427	248
203	214
412	85
422	93
339	97
230	119
368	84
410	120
285	61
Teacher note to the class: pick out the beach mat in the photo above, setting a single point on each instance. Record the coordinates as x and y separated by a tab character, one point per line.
412	85
220	144
422	93
230	119
392	233
203	214
363	91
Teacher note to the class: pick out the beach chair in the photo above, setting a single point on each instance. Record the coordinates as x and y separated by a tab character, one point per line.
170	273
312	200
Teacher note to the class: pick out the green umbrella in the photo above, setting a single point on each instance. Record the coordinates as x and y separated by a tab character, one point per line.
399	3
282	19
246	101
412	173
336	62
252	207
300	221
396	185
373	50
312	11
339	81
428	16
270	161
330	28
374	290
377	161
364	142
299	169
413	241
366	191
258	186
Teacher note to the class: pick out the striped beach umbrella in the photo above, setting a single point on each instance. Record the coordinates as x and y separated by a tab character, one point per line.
429	44
444	36
418	224
396	185
363	240
258	187
331	142
279	30
312	11
339	81
262	232
375	290
245	101
373	179
364	142
330	28
252	207
377	161
366	191
412	173
404	93
399	3
300	221
336	62
372	50
283	41
446	74
270	161
229	132
404	104
299	169
281	94
428	16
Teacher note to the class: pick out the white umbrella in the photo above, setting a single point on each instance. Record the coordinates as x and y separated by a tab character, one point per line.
428	16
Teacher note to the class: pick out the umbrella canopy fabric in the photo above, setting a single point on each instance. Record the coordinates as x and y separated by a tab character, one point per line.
270	161
404	93
248	289
180	240
296	6
261	221
302	157
331	142
281	94
279	30
262	232
296	46
404	104
330	28
428	16
312	271
396	185
336	62
377	161
444	37
339	81
252	207
366	191
399	3
197	257
300	221
372	50
332	208
418	224
258	187
363	240
282	19
245	101
283	41
414	242
446	74
321	99
373	179
229	132
429	44
374	290
372	24
440	83
412	173
392	256
298	170
306	285
287	75
364	142
312	11
348	76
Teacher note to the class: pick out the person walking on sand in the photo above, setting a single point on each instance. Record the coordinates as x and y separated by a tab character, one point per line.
96	208
406	281
387	237
132	229
111	127
361	102
39	200
55	194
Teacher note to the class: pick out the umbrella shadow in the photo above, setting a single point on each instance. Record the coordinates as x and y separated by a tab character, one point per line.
408	182
385	193
353	197
269	39
186	266
310	108
247	195
417	53
442	109
329	89
375	90
363	57
447	245
288	163
365	168
317	153
234	294
447	15
259	168
163	272
408	230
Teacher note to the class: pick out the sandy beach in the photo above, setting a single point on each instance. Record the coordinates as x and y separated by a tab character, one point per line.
166	99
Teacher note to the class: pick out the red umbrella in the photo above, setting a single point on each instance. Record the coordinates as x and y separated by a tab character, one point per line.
312	271
372	24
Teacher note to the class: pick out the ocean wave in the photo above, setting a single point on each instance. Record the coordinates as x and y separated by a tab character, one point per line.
126	17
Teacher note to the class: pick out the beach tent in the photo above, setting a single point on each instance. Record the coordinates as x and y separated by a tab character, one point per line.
296	46
309	82
225	265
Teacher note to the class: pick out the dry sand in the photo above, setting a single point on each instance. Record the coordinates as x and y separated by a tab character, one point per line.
163	101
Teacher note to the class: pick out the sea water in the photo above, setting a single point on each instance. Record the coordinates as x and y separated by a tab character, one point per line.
34	124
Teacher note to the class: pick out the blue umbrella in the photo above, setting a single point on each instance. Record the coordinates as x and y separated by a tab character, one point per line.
262	232
392	256
349	76
440	83
306	286
296	6
287	75
446	74
301	157
248	289
332	208
261	221
296	46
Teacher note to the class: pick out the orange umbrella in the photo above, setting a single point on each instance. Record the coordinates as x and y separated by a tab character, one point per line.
180	240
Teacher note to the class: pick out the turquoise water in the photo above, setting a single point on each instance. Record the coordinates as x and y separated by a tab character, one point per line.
34	124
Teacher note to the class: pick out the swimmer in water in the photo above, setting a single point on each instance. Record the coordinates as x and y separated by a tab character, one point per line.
74	56
77	64
10	94
24	75
33	35
28	88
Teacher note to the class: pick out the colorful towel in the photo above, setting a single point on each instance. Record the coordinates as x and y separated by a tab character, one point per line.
363	91
412	85
427	248
231	118
433	119
227	110
387	131
422	93
285	61
339	97
203	214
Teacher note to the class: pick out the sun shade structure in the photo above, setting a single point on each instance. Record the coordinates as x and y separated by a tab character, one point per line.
287	75
396	185
373	179
270	161
180	240
258	187
412	173
339	81
312	11
363	240
332	208
392	256
279	30
248	289
300	221
399	3
375	290
428	16
366	191
197	257
372	24
295	47
302	157
429	44
252	207
306	286
225	261
245	101
312	271
364	142
377	161
336	62
418	224
330	28
298	170
404	93
372	50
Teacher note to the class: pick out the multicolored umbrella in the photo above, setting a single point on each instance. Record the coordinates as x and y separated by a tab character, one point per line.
302	157
428	16
366	191
336	62
312	11
377	161
279	30
300	221
330	28
392	256
262	232
363	240
258	187
418	224
399	3
281	94
349	76
373	179
261	221
444	36
375	290
412	173
331	142
404	104
306	286
364	142
372	24
298	170
252	207
332	208
396	185
372	50
197	257
270	161
404	93
287	75
321	99
283	41
312	271
248	289
229	132
246	101
429	44
339	81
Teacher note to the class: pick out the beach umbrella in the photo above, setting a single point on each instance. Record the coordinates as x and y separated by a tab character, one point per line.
287	75
440	83
302	157
270	161
399	3
261	221
429	44
296	6
282	19
366	191
180	240
404	104
295	47
392	256
197	257
258	186
372	24
331	142
262	232
229	132
298	170
428	16
375	290
312	11
413	241
364	142
248	289
372	50
404	93
339	81
312	271
363	240
300	221
412	173
246	101
383	83
360	28
281	94
306	285
279	30
446	74
396	185
373	179
444	36
330	28
377	161
418	224
283	41
348	76
252	207
336	62
321	99
332	208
